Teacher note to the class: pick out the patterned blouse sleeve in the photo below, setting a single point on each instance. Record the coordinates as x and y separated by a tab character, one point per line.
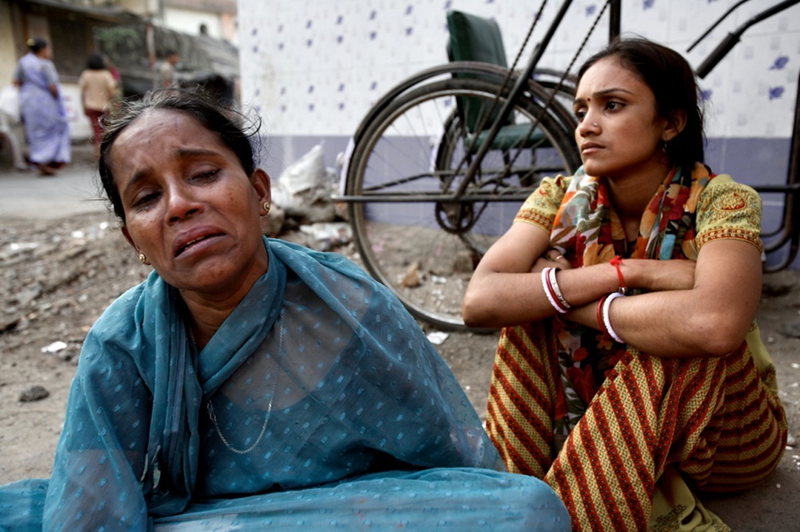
728	210
540	208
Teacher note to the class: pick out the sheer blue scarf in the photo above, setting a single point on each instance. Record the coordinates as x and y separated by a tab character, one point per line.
136	443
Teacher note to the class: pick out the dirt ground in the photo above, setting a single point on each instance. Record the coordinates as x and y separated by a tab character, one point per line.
57	276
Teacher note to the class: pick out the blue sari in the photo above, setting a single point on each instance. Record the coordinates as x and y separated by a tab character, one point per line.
332	408
44	116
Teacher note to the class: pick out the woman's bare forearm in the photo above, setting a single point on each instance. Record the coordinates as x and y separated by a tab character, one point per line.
708	318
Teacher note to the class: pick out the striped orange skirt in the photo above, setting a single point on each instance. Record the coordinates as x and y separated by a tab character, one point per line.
656	430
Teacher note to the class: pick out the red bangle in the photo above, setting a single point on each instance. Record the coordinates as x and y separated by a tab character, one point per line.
600	313
623	287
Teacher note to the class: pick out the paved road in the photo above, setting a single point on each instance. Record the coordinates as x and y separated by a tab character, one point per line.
74	190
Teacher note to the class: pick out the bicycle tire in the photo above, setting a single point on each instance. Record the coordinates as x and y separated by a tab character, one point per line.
411	147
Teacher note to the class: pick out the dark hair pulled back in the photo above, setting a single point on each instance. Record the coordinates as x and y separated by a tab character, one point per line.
35	44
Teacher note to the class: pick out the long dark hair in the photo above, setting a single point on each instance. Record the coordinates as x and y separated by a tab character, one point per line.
235	130
673	83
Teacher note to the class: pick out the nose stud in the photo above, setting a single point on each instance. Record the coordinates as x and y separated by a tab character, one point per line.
595	124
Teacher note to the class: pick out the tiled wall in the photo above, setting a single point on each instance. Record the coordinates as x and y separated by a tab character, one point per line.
312	68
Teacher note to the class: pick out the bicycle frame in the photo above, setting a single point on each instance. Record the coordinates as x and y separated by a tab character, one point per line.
450	176
790	227
516	92
530	86
522	82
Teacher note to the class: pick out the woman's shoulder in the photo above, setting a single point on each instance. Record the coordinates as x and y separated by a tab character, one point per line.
91	74
723	192
552	188
112	333
334	277
99	74
559	182
727	209
126	332
124	316
299	256
541	206
725	180
120	310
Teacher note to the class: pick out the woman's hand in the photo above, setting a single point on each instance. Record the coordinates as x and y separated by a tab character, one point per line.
551	259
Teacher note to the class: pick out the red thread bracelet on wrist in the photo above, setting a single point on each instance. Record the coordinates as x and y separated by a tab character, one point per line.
616	262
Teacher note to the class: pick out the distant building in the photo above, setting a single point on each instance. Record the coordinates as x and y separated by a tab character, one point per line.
213	18
68	27
120	29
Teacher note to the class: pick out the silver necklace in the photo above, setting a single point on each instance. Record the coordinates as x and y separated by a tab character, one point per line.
210	407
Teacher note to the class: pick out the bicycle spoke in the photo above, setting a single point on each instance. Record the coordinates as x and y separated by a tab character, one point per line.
416	233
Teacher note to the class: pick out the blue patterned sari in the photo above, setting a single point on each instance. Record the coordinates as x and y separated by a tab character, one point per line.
44	116
332	410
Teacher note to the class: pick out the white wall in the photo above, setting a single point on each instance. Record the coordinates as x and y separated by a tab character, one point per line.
315	66
187	21
8	53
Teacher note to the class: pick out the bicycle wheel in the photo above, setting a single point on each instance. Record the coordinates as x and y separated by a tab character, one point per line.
415	234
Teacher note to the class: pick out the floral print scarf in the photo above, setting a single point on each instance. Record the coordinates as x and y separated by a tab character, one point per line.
587	231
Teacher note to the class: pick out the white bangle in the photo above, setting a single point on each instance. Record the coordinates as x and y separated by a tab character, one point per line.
546	288
606	321
557	290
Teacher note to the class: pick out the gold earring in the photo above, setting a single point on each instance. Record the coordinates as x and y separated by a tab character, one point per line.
142	258
266	207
